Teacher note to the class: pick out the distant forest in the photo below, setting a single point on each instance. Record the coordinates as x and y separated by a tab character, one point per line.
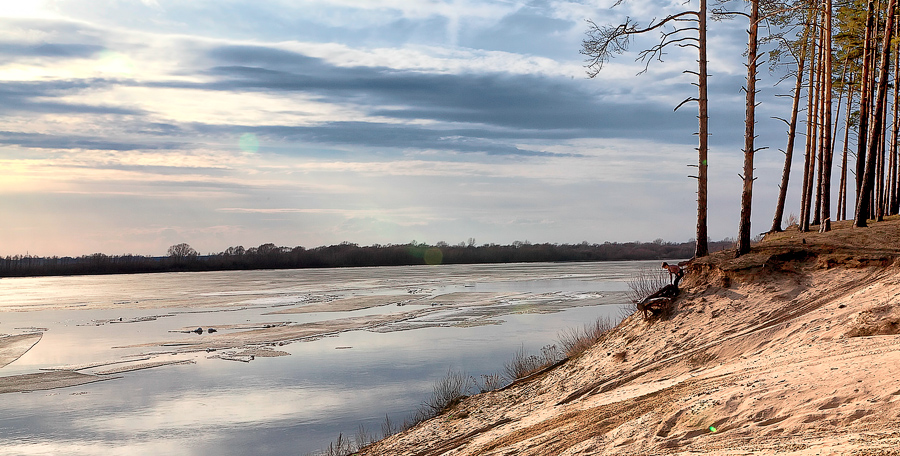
182	257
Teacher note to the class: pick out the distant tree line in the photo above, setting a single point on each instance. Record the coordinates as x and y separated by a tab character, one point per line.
182	257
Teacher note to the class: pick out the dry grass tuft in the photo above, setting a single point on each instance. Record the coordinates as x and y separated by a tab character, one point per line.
447	392
576	341
342	446
492	382
646	282
523	365
388	427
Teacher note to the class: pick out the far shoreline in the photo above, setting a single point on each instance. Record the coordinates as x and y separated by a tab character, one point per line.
270	257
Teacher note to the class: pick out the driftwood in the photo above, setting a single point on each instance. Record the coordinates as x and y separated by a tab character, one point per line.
658	303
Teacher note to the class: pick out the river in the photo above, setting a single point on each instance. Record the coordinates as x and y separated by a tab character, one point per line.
408	326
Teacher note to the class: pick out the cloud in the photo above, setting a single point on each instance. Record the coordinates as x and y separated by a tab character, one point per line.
530	30
461	110
40	97
389	136
404	110
57	50
44	141
495	99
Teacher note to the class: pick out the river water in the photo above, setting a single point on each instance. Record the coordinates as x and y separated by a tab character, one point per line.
286	405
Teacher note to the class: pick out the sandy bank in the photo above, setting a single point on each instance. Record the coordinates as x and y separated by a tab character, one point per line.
791	350
13	347
45	381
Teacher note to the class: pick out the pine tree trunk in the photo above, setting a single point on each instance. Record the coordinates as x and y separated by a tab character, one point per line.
809	159
792	134
749	134
702	248
876	130
820	114
842	195
864	101
880	193
826	127
879	172
837	120
894	201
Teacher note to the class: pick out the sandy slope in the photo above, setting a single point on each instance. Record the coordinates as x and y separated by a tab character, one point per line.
793	349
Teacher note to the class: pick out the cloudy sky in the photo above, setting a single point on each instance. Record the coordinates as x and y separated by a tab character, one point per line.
128	126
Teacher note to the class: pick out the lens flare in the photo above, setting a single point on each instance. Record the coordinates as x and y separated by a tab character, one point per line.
434	256
111	62
248	143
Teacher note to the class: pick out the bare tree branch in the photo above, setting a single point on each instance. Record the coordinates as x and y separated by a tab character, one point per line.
605	41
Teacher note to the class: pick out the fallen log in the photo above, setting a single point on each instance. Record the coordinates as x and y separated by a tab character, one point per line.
658	303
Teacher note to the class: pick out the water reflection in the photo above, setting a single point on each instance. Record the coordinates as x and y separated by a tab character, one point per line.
289	405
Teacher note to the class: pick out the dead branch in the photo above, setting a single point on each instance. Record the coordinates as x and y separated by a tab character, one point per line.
605	41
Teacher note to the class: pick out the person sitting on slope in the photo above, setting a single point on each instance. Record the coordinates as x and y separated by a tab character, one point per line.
674	271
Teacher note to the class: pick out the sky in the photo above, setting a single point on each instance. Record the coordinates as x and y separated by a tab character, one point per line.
127	126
